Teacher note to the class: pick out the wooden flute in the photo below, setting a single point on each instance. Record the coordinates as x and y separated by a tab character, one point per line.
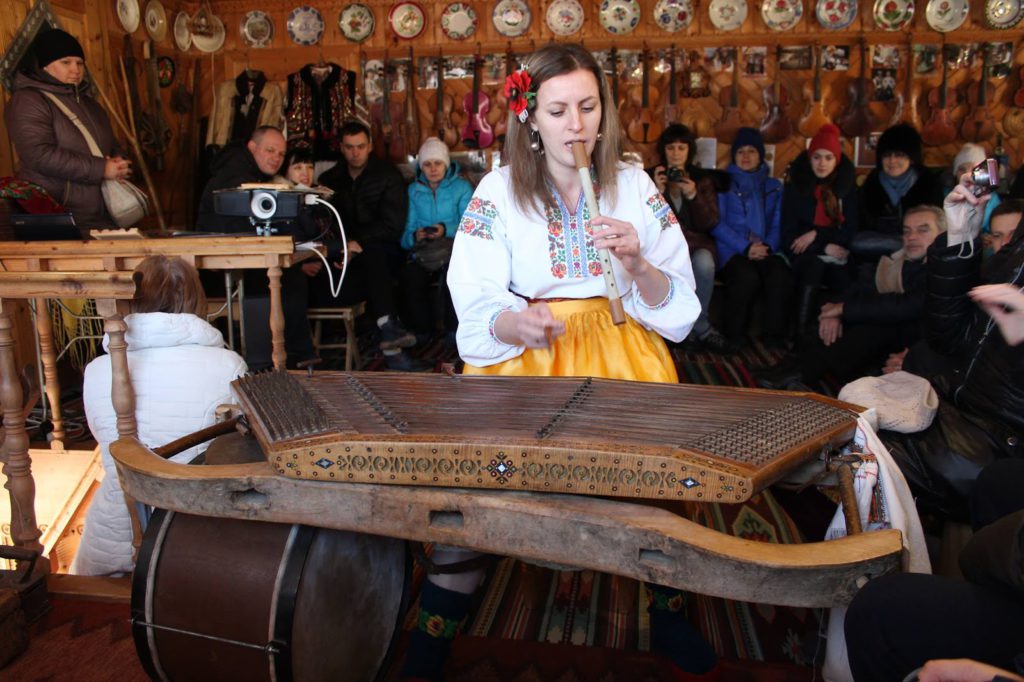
614	300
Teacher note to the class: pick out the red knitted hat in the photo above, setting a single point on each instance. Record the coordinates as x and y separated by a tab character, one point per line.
827	137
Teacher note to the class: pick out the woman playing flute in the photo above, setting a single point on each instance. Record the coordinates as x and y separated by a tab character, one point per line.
528	284
526	273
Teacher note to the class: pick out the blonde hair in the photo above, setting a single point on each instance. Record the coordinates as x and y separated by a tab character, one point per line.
531	182
168	285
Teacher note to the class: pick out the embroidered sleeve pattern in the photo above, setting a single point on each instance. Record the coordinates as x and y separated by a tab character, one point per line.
494	318
478	220
662	213
664	303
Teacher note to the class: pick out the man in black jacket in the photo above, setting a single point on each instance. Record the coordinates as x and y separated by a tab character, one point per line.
373	202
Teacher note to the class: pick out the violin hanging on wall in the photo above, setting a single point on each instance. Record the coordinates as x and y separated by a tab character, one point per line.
814	116
477	132
858	120
443	128
939	129
906	104
671	110
732	118
643	127
978	125
411	121
776	126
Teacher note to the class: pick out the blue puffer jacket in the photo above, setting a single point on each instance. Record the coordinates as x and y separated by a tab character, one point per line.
444	206
750	208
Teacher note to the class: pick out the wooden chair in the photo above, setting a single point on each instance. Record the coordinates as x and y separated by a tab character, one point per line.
347	315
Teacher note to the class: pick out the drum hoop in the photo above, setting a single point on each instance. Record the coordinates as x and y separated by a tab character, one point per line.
286	591
142	582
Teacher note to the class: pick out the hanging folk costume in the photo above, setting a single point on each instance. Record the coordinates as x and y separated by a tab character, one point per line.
241	106
320	100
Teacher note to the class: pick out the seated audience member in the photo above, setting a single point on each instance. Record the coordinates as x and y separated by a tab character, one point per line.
437	199
981	408
258	160
692	193
373	202
898	622
899	181
878	314
747	238
180	372
969	156
819	219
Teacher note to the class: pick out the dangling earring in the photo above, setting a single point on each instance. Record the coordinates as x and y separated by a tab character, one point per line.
535	144
600	136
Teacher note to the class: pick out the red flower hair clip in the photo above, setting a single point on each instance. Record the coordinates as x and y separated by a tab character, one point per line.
517	91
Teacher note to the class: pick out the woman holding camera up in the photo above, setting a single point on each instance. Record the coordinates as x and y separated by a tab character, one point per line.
692	193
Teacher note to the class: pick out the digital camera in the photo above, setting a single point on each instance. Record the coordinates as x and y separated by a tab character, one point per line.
985	177
675	174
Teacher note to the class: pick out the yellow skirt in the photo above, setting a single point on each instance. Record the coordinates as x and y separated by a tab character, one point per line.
593	346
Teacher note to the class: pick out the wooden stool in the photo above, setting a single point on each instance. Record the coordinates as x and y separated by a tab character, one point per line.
347	315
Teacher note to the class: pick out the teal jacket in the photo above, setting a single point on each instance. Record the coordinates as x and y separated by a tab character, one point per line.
445	206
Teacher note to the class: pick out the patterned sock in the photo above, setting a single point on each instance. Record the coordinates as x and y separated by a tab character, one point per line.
675	638
441	615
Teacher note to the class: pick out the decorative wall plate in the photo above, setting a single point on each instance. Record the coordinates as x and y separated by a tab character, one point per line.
946	15
182	32
128	14
673	15
305	25
511	18
356	22
257	29
1003	14
213	42
458	21
165	71
619	16
727	15
564	17
156	20
893	15
836	14
781	15
407	19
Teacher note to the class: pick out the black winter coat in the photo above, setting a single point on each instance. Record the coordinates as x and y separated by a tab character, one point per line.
862	303
988	386
878	214
799	205
233	166
373	206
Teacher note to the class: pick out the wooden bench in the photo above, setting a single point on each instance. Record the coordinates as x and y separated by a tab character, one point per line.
347	315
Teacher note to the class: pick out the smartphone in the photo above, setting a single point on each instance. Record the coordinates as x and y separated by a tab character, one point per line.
985	177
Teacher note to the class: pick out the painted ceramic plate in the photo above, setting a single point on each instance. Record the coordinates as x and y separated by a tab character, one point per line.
564	17
511	18
212	42
781	15
156	20
407	19
619	16
836	14
305	25
673	15
257	29
182	32
946	15
727	15
356	22
128	14
1003	14
458	21
893	15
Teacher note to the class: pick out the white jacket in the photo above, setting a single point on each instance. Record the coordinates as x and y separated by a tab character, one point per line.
181	372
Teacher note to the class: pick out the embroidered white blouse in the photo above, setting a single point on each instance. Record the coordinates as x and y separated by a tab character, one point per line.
498	261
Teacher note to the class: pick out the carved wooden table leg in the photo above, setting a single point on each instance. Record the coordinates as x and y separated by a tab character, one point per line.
279	354
45	328
17	465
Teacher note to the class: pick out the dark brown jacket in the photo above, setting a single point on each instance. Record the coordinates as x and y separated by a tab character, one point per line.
52	151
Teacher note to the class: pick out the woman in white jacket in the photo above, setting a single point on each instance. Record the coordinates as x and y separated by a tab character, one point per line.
180	371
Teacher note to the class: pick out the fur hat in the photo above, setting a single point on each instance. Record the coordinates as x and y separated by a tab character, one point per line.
748	137
826	138
55	44
433	149
899	138
970	154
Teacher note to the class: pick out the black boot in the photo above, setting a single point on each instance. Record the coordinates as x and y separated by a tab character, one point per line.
805	311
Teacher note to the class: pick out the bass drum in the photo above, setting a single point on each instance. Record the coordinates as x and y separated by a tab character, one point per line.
223	599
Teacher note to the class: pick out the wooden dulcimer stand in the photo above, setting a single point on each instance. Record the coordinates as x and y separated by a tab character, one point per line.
111	291
54	258
456	459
